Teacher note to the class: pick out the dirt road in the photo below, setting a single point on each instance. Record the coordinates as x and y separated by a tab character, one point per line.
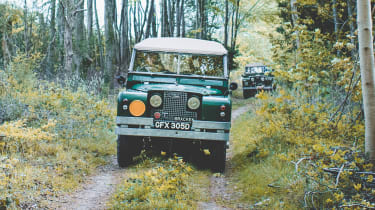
96	191
219	191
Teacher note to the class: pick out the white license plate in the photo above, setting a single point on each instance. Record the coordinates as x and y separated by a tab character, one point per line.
173	125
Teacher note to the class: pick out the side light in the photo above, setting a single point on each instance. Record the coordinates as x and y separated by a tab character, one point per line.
222	107
157	115
137	108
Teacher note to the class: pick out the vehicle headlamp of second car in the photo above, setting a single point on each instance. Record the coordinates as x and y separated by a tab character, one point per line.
156	100
193	103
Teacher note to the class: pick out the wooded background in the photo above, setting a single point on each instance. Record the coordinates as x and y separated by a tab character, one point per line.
72	40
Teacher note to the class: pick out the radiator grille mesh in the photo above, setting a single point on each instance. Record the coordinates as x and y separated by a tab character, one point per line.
175	105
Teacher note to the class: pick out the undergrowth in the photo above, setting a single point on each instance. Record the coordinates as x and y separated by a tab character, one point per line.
289	154
167	184
54	136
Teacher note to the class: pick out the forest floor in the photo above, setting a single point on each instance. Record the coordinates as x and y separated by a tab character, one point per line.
97	190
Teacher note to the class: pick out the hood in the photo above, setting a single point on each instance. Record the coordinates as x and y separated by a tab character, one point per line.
177	87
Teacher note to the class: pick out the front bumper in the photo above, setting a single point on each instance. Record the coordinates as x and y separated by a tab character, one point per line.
200	130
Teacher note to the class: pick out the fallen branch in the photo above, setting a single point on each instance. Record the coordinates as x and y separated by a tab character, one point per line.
271	185
298	162
338	175
357	205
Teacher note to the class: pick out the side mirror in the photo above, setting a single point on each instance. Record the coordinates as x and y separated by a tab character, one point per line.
121	80
233	86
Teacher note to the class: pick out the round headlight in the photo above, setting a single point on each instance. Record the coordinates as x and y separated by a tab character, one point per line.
156	101
262	78
137	108
194	103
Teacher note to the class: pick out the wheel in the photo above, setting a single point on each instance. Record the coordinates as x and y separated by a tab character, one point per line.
252	93
245	94
127	148
218	151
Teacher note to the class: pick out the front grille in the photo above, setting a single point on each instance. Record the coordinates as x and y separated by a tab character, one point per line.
175	105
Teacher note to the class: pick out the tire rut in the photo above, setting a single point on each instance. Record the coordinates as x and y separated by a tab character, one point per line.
96	191
218	190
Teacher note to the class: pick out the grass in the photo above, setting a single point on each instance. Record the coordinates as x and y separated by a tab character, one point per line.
259	175
161	184
55	136
279	131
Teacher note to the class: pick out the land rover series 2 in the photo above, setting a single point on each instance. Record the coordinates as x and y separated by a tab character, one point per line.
255	78
176	96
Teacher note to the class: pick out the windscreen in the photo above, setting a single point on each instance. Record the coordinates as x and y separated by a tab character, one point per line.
255	69
183	64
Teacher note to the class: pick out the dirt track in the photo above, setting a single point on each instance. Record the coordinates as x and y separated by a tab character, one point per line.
219	182
96	191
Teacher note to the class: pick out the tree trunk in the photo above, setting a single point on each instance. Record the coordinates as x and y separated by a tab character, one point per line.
183	18
367	73
52	38
68	47
351	26
109	40
90	37
335	22
124	40
149	19
178	18
60	32
226	24
79	38
100	39
294	11
153	23
68	36
26	29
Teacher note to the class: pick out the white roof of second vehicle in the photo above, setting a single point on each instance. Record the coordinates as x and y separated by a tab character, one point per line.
181	45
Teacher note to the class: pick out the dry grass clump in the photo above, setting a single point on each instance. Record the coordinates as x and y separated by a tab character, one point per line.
165	184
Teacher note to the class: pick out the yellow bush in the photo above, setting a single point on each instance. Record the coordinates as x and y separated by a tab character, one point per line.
286	133
162	187
54	136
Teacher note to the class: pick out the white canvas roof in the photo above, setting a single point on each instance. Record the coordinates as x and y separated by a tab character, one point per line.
181	45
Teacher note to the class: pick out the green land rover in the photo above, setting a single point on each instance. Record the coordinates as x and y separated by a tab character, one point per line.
176	99
256	77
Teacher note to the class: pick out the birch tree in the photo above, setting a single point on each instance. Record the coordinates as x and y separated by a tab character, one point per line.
366	54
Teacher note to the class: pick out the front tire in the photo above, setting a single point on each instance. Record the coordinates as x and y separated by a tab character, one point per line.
127	148
218	156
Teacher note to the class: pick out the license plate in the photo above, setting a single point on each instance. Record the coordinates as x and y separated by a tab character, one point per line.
173	125
260	87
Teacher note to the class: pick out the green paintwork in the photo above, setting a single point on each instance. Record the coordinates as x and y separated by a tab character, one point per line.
177	87
131	95
136	77
214	92
211	108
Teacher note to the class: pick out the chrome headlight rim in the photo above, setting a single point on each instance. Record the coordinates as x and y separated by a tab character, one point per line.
193	103
156	100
